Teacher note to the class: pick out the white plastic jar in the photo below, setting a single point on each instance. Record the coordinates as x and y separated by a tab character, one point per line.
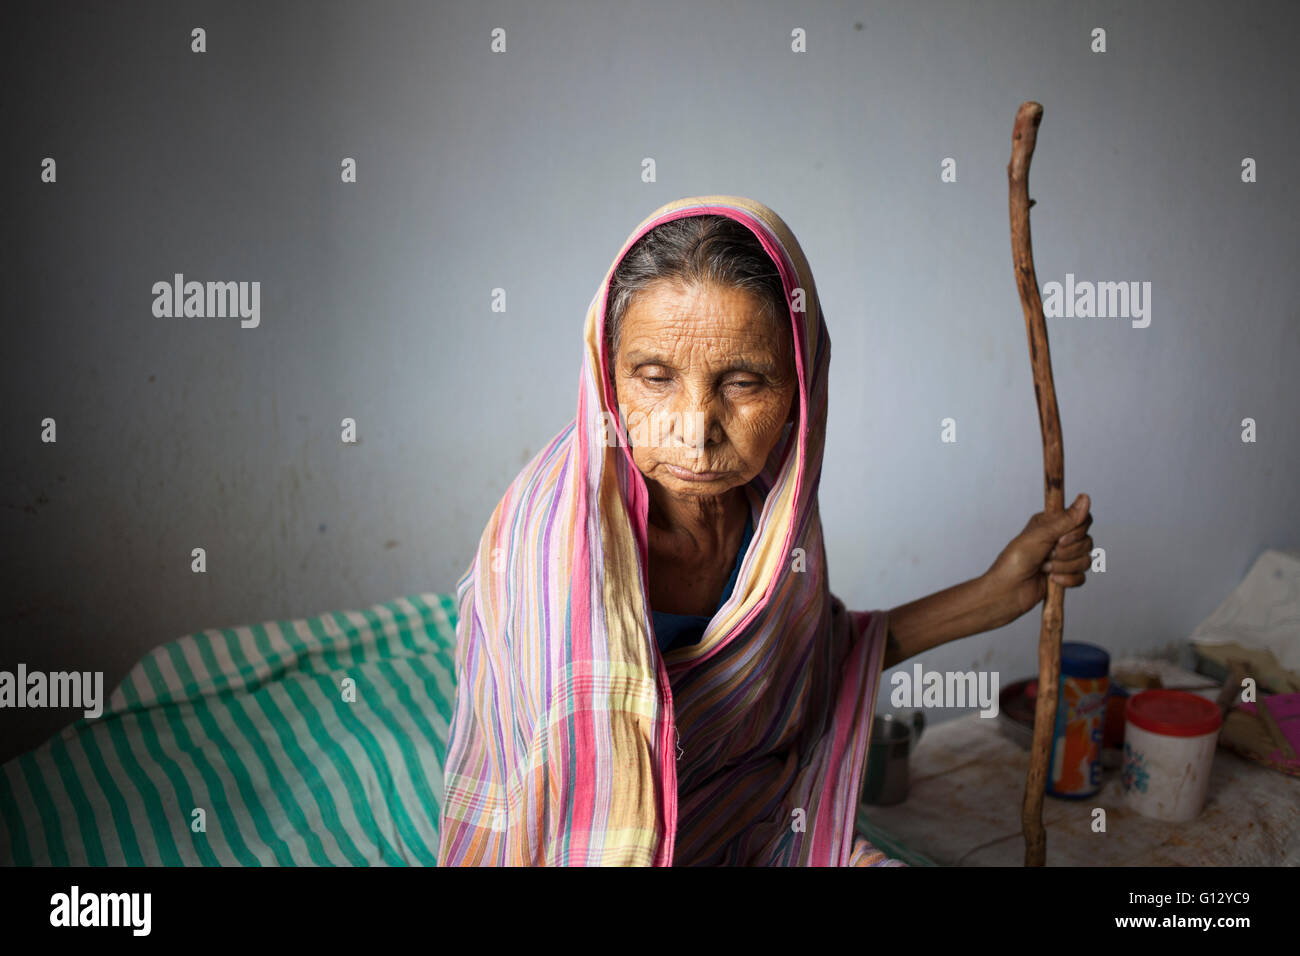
1169	741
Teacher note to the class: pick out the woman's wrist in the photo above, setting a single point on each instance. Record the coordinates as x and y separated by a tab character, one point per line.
1001	600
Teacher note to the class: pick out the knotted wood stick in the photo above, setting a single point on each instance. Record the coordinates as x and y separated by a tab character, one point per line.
1023	137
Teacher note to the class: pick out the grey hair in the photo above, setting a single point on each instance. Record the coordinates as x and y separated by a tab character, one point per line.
710	249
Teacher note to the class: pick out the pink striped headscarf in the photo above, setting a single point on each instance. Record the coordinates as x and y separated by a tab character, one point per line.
574	741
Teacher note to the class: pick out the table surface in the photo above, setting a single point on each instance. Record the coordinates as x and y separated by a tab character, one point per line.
967	784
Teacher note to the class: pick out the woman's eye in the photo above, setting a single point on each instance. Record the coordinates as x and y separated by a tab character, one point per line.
744	385
657	379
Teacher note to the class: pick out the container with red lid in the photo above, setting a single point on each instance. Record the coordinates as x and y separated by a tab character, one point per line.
1169	740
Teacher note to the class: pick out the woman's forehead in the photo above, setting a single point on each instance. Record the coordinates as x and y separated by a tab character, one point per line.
666	312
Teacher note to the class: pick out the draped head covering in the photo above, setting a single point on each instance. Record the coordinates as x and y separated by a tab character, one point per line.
574	740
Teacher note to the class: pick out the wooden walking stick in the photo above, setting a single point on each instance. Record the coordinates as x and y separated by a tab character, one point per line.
1023	137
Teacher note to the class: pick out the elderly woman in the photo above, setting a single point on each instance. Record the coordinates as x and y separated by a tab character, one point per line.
652	668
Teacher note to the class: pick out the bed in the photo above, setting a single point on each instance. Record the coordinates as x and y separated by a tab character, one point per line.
310	742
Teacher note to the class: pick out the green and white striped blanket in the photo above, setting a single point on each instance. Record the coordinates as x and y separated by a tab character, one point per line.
312	742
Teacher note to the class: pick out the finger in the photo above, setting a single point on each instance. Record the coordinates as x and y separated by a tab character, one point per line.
1078	531
1069	580
1066	551
1069	566
1062	523
1082	527
1082	546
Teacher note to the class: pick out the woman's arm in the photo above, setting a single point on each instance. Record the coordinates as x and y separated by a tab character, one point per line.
971	607
1058	545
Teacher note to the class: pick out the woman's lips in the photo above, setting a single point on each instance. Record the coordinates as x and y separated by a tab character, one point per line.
685	474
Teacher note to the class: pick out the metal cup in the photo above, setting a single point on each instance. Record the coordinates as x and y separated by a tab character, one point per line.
892	739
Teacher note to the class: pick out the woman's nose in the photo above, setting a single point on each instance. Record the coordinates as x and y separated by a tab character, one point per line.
695	425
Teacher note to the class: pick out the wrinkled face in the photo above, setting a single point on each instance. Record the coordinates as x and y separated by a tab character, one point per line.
707	383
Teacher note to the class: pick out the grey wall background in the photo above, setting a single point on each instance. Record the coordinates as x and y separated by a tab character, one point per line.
522	171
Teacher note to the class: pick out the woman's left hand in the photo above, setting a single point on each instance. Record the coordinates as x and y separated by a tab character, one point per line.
1057	545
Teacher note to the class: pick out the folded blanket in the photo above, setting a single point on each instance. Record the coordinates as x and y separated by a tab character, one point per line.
311	742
